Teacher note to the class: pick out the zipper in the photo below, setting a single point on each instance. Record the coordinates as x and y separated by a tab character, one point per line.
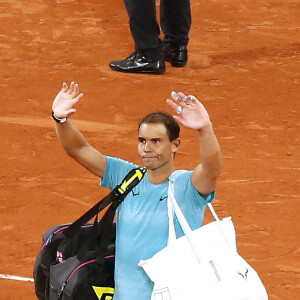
79	267
84	264
75	270
50	237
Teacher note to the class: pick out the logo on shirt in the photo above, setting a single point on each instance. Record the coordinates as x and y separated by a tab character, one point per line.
163	198
135	194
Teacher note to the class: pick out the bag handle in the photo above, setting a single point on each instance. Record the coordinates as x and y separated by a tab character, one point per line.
172	232
184	224
117	195
213	212
176	209
172	203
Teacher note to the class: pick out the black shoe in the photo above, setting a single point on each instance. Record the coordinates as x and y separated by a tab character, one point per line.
138	63
177	56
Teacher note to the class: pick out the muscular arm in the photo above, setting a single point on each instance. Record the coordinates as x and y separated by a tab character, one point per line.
195	116
70	137
207	172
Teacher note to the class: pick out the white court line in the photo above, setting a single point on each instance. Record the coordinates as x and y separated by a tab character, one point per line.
12	277
81	124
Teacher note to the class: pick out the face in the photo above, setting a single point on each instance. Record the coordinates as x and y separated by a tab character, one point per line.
154	146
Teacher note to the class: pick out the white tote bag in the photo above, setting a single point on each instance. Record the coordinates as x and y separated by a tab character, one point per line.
203	264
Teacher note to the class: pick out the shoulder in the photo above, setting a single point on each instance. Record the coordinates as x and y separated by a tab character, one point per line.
183	181
115	162
116	169
181	175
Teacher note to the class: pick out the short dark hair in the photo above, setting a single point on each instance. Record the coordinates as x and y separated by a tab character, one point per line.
163	117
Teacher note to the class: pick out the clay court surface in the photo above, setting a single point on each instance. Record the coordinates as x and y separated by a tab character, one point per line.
244	65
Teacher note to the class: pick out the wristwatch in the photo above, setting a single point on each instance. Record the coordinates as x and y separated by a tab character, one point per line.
58	120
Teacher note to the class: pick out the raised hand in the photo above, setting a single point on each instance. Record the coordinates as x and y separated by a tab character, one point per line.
191	113
66	99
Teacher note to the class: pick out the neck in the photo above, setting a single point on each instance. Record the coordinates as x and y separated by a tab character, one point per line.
160	175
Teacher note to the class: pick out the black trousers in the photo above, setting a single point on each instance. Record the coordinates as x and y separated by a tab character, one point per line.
175	22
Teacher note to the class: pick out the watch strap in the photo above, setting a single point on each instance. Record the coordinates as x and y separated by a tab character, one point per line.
58	120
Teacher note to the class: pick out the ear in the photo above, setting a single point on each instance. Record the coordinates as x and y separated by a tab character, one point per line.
175	145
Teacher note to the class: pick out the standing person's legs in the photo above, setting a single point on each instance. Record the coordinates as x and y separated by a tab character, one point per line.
144	27
176	24
148	57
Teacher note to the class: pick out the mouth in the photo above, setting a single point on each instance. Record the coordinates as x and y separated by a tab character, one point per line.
148	157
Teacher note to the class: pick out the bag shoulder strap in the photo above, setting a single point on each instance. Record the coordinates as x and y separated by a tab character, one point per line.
117	195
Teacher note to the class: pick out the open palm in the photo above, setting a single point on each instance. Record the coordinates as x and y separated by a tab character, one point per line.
66	99
193	115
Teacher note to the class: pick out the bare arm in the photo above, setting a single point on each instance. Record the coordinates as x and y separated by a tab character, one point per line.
70	137
195	116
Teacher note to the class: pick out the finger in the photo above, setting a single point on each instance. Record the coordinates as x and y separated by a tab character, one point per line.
182	96
71	89
76	90
171	103
64	87
188	99
182	101
198	104
174	96
70	111
179	120
178	97
178	108
175	106
77	99
191	99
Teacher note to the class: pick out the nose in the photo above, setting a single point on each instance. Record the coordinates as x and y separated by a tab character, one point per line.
147	147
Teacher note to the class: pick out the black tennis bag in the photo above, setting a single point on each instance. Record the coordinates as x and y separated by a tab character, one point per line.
76	261
59	265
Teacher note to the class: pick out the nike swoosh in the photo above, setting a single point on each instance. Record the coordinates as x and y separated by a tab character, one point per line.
163	198
135	194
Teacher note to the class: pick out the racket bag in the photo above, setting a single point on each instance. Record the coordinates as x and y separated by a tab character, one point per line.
56	248
89	273
77	260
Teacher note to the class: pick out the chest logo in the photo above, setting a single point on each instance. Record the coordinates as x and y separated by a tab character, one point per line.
135	194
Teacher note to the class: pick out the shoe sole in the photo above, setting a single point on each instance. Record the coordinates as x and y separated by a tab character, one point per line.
176	64
179	65
159	72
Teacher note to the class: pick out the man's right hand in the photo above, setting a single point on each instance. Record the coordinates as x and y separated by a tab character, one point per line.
66	99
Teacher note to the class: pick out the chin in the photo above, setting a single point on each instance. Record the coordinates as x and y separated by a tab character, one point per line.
149	165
